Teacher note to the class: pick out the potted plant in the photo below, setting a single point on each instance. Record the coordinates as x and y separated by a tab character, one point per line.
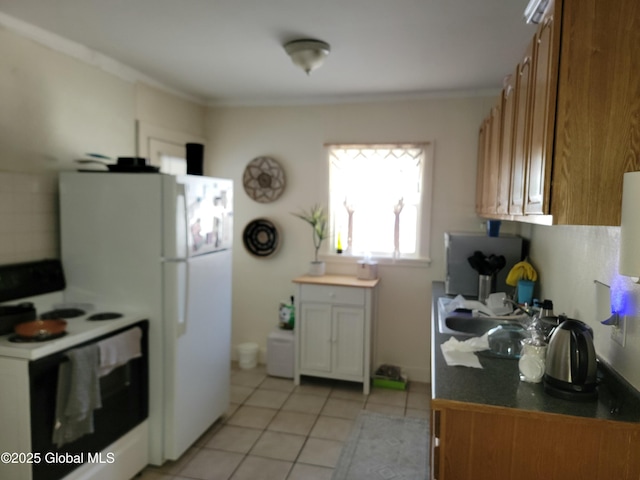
318	221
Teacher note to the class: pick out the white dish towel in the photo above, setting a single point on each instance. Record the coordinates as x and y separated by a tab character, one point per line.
119	350
78	395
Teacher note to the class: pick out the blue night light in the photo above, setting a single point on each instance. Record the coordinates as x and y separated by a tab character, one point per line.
621	301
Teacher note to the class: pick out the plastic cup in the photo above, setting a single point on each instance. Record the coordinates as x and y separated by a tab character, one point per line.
493	228
525	291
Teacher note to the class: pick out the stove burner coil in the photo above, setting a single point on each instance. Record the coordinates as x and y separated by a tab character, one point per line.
62	313
42	338
105	316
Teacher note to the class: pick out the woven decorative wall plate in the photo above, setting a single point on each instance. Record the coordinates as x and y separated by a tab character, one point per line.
261	237
263	179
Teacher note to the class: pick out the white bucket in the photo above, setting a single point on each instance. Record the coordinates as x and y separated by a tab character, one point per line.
248	355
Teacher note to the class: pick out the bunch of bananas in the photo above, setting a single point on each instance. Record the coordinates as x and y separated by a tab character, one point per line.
521	271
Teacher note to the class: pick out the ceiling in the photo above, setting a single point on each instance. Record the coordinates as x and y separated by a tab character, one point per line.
230	51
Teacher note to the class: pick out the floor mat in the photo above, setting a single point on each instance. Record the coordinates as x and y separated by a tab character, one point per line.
384	447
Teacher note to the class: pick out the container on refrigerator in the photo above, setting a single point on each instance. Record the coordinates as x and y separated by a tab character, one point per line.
162	243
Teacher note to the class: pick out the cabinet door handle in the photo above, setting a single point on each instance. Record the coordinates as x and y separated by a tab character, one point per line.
508	90
547	23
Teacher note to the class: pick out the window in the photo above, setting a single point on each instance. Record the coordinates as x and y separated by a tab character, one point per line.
380	199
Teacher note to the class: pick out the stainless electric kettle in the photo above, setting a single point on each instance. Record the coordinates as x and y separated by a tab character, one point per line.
570	370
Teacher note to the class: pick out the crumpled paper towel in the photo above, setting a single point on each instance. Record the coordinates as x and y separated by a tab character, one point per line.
461	302
457	353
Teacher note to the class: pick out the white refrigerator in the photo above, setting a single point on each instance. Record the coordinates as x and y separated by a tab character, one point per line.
159	243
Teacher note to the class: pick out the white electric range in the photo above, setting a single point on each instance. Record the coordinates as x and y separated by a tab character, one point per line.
84	322
30	372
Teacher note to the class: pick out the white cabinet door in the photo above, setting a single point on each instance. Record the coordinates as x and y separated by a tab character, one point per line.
315	337
348	340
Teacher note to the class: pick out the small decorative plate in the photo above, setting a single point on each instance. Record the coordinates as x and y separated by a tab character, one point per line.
260	237
263	179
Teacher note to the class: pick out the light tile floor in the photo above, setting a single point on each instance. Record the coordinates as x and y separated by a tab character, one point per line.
277	431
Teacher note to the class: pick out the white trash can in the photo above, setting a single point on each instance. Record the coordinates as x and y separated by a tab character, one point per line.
280	353
248	355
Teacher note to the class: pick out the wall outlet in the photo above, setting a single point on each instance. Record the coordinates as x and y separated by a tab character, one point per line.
619	332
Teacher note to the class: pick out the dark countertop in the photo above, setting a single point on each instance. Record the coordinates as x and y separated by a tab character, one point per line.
498	384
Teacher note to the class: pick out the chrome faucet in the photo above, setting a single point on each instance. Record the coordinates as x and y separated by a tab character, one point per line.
525	309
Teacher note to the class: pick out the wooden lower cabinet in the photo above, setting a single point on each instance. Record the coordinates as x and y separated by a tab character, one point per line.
479	442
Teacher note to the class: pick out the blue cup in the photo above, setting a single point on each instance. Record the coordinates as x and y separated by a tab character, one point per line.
493	228
525	291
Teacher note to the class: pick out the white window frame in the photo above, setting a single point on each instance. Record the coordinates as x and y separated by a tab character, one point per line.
423	227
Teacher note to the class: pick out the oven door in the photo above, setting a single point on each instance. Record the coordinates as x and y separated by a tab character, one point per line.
124	393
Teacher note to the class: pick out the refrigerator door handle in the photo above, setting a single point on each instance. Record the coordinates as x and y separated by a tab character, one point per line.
182	221
183	298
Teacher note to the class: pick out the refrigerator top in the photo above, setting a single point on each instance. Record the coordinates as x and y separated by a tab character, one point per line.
172	217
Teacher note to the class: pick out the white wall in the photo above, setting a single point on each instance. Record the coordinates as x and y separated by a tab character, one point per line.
569	259
54	109
294	136
161	109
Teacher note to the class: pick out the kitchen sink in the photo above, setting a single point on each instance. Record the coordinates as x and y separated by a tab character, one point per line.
475	326
472	323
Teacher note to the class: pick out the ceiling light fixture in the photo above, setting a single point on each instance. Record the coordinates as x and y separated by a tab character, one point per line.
306	53
535	11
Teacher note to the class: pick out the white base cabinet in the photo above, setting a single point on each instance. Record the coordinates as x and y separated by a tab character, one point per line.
335	324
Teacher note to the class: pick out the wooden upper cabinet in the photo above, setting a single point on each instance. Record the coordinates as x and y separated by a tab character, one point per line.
486	172
597	132
543	101
492	160
521	133
506	144
576	120
488	161
482	139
